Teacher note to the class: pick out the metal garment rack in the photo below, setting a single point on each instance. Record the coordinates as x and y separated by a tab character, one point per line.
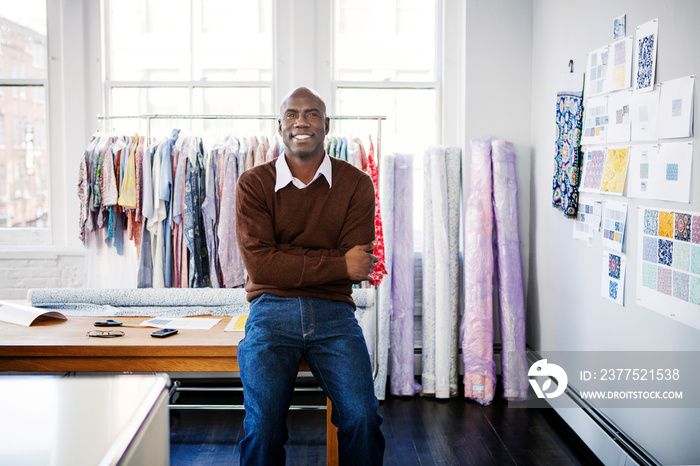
157	116
150	117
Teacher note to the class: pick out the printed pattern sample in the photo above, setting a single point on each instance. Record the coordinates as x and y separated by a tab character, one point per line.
645	62
567	159
651	222
670	255
593	166
615	171
682	230
681	256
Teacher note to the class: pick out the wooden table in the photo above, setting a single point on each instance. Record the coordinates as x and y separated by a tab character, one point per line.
52	345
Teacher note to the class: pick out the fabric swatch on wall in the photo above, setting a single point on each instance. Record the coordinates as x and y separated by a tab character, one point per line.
681	286
613	290
651	222
593	165
650	249
666	224
614	266
649	275
695	229
615	171
694	295
665	252
695	259
682	230
664	281
681	256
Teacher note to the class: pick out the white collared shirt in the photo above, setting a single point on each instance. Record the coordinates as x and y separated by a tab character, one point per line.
284	174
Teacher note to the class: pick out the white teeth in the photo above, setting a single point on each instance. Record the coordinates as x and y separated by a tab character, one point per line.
302	136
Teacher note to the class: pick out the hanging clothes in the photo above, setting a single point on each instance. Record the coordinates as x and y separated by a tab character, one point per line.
172	198
380	266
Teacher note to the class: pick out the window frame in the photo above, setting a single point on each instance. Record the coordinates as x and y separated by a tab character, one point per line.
21	235
108	84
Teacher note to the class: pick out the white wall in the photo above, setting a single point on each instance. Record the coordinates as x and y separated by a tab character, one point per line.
498	60
565	310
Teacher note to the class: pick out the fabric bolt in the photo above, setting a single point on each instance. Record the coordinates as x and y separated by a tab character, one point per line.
567	159
453	160
402	281
511	301
428	282
477	320
438	193
384	308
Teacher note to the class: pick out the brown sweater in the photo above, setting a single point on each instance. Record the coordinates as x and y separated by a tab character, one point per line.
293	241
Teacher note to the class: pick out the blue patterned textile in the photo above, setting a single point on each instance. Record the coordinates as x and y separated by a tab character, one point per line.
567	161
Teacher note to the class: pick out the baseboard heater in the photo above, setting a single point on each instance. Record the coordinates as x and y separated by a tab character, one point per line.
624	444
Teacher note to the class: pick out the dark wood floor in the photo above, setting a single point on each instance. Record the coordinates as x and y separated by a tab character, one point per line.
418	431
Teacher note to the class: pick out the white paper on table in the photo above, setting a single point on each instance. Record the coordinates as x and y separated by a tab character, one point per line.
675	118
619	110
21	314
644	110
597	71
620	64
593	160
645	45
671	177
643	163
613	224
595	120
612	285
190	323
587	219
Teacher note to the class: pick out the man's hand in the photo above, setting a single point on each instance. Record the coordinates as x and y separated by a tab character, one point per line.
360	261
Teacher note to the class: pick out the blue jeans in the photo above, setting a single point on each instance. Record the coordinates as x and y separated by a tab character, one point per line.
278	333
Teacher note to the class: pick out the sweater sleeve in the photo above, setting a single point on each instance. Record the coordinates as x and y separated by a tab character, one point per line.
268	263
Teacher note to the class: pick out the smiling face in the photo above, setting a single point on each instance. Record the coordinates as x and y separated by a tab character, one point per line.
303	124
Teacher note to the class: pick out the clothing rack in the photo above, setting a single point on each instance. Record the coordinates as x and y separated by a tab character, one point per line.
158	116
377	118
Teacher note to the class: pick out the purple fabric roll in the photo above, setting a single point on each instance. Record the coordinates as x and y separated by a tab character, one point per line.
510	278
477	321
402	381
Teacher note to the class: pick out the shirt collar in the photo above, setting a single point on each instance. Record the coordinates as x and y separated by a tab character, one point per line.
284	175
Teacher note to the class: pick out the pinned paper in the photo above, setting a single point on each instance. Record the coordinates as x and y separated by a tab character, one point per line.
646	43
613	280
676	108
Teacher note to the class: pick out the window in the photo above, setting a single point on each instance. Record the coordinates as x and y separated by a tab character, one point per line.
385	62
23	193
189	57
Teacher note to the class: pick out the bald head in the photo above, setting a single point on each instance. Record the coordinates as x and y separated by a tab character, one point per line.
304	91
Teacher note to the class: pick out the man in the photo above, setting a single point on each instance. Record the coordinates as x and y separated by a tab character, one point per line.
305	228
